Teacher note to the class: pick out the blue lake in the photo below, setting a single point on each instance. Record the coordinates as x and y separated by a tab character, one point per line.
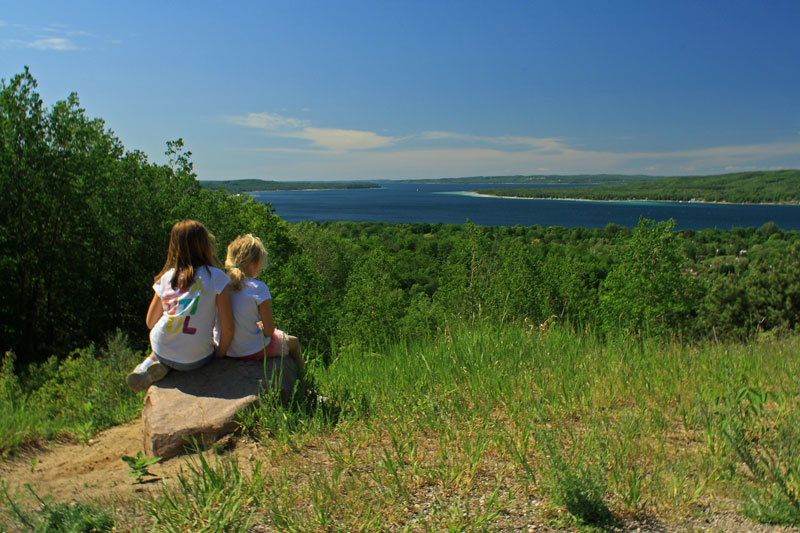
410	202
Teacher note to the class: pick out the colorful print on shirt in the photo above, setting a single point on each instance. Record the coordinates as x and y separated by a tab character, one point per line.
180	306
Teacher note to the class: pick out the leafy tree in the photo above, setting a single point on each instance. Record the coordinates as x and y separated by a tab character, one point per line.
726	311
374	304
84	225
467	274
570	288
648	290
56	172
773	291
300	303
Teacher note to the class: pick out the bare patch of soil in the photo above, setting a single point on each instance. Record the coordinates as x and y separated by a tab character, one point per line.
93	471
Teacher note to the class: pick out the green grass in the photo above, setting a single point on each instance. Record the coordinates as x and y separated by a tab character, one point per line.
75	397
486	426
636	425
209	496
58	517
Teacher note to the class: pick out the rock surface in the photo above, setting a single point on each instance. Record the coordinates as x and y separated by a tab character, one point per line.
201	405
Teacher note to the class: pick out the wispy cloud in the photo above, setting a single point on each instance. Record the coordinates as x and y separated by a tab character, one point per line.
53	43
444	153
335	139
534	143
339	139
52	37
267	121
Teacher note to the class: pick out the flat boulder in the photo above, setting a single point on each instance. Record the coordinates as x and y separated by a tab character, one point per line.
202	405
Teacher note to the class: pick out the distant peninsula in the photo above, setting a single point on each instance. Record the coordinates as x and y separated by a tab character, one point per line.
759	187
254	185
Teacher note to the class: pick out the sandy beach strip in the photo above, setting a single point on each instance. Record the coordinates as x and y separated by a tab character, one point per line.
631	200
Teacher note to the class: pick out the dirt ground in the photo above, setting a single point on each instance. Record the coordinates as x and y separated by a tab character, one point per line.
94	472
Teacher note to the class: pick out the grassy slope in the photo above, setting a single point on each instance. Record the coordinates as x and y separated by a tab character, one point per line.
499	427
253	185
780	186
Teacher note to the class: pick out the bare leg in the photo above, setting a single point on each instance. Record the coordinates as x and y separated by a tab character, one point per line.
297	354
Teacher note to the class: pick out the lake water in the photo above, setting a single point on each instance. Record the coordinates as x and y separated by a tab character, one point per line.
410	202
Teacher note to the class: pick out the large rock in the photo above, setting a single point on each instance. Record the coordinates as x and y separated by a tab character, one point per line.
201	405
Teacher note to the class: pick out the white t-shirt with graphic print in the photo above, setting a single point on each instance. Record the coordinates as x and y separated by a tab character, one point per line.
184	333
247	336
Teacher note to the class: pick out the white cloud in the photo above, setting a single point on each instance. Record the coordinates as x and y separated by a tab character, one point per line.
53	43
338	139
53	37
439	153
306	151
538	143
329	138
450	162
266	121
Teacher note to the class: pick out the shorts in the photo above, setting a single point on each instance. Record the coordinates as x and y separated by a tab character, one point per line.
278	347
175	365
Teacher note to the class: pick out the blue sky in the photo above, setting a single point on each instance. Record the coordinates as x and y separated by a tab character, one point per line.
409	89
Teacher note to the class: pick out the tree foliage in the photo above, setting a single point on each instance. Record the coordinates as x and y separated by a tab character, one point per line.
84	224
648	290
84	227
772	186
253	185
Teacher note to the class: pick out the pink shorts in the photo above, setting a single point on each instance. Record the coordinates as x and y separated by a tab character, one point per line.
278	346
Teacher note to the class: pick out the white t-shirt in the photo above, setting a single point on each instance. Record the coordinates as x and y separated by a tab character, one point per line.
247	336
184	333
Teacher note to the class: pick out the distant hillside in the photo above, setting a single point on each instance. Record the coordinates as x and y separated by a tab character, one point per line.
589	179
775	186
252	185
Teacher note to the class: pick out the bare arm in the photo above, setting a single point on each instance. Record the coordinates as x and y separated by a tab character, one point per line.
267	324
154	312
225	322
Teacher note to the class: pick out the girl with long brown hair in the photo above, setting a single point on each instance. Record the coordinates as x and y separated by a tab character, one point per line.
190	291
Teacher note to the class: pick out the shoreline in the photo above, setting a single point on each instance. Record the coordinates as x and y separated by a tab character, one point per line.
314	189
629	200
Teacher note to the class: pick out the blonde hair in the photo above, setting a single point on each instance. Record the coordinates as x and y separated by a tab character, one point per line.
242	252
191	246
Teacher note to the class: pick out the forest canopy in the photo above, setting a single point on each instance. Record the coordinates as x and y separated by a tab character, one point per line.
253	185
84	223
84	226
769	186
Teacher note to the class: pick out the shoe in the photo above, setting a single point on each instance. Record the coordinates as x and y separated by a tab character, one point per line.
139	379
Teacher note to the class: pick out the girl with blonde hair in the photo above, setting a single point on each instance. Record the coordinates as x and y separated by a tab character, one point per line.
255	336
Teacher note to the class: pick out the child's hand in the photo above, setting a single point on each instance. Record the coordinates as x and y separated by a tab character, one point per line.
260	325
